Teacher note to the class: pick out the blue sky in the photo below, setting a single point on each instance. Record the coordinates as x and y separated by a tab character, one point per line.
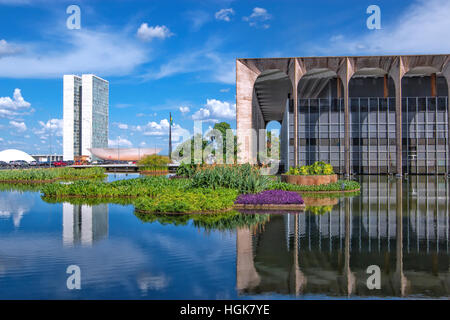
178	56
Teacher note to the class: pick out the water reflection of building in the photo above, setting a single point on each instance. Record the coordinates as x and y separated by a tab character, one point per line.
402	228
83	224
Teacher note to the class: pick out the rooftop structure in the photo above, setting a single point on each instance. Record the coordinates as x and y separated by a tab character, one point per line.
15	155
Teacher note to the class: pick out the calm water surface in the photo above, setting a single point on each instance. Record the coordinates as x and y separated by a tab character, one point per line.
401	227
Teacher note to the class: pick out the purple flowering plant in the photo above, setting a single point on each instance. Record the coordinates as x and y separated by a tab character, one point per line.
270	197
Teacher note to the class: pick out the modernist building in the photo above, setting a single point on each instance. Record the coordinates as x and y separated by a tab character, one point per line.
364	115
86	105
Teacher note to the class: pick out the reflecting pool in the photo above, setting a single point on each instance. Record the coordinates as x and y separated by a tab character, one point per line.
401	227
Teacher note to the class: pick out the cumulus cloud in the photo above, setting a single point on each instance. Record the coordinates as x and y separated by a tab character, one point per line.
19	126
15	106
224	14
119	142
161	128
184	110
258	18
85	51
420	29
214	110
147	33
52	126
122	126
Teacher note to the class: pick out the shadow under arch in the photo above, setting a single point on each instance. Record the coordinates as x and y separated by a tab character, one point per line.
425	121
372	122
271	93
321	118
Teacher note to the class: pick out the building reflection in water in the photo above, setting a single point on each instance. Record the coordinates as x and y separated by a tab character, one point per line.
84	224
401	227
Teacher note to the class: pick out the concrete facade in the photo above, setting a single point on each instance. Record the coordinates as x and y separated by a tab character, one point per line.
257	93
86	115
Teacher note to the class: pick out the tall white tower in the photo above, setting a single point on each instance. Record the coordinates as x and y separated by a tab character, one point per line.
86	113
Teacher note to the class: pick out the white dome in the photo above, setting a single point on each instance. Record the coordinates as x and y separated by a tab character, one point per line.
14	155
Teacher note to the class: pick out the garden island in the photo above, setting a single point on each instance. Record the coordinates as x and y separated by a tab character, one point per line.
207	189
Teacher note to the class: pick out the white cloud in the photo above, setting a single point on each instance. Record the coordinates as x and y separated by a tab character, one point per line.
258	18
162	129
84	51
225	90
422	28
7	49
19	126
123	105
122	126
147	33
184	110
197	18
16	106
224	14
119	142
52	126
217	67
214	109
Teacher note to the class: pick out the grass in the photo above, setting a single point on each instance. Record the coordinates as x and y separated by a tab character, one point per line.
210	189
339	186
149	194
45	175
244	178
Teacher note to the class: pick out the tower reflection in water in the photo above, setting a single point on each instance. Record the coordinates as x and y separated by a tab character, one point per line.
84	224
401	227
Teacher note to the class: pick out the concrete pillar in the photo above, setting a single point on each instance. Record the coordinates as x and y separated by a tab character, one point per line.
346	130
386	86
346	74
433	85
446	73
448	125
295	97
246	275
245	80
399	278
397	74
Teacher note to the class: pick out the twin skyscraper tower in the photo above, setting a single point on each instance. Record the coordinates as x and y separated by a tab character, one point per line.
85	113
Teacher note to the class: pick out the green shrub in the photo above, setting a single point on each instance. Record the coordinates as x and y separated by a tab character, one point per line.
154	162
341	185
186	170
51	174
317	168
244	178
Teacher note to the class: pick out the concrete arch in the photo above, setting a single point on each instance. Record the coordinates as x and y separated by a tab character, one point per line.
396	66
425	150
372	102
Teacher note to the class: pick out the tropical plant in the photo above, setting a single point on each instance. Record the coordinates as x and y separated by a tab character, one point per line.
341	185
154	162
317	168
244	178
